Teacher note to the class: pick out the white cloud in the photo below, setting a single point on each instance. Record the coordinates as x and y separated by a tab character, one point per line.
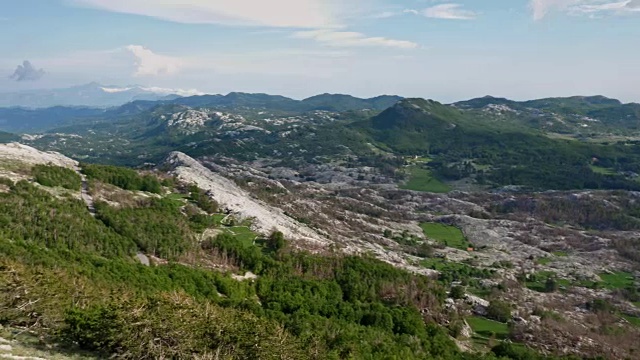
352	39
149	63
120	66
390	14
133	60
385	14
269	13
449	12
592	8
596	7
541	8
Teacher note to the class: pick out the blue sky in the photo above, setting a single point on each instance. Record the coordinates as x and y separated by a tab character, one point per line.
445	50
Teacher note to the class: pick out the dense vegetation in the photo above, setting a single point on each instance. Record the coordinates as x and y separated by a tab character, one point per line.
204	202
124	178
50	175
157	226
38	219
71	276
493	154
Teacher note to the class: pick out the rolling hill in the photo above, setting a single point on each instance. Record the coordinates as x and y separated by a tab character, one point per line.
581	117
488	142
462	146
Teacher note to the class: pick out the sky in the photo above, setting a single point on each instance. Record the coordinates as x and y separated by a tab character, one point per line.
443	50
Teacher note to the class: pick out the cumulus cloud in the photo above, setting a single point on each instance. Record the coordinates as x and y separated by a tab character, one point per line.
449	12
149	63
270	13
541	8
27	72
352	39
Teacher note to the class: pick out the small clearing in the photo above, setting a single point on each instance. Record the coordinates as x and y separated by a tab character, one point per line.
617	280
447	235
485	329
421	179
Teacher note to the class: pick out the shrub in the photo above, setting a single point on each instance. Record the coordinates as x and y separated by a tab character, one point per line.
204	202
276	241
551	285
50	175
457	292
127	179
499	311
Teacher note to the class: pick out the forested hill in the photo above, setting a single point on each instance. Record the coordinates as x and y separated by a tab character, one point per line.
27	120
576	104
485	143
323	102
570	115
463	145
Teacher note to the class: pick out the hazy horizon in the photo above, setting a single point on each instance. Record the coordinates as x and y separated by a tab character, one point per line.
448	51
196	92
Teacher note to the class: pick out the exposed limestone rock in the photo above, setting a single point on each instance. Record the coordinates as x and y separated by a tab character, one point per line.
16	152
265	217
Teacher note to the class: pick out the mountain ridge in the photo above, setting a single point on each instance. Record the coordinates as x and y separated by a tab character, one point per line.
88	95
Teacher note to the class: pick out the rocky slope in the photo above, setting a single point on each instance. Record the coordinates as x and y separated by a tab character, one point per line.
16	152
265	218
577	238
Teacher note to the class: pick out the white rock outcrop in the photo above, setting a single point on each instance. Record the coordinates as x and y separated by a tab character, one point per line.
265	217
16	152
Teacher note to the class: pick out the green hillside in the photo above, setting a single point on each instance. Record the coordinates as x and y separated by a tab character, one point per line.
584	117
72	279
494	153
487	142
339	102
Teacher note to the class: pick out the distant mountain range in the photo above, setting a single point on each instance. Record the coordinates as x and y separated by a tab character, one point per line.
21	120
90	95
553	143
238	100
576	115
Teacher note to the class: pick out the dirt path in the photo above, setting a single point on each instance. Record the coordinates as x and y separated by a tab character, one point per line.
84	192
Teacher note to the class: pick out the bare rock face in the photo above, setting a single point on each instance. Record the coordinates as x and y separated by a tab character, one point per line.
265	218
15	152
466	331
